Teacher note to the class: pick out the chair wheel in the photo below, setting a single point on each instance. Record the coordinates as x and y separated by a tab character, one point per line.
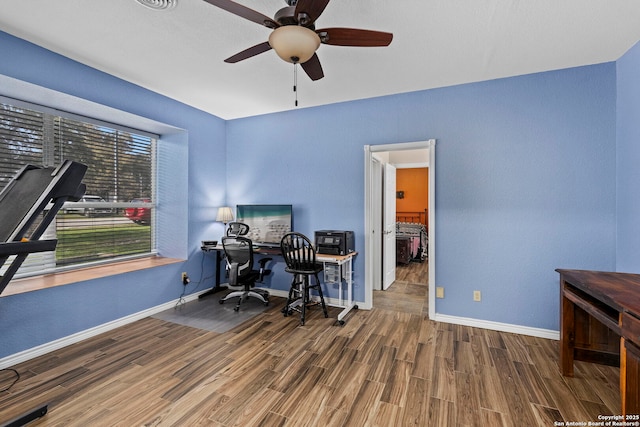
236	308
355	307
221	301
341	322
266	303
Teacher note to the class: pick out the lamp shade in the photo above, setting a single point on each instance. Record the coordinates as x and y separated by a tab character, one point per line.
225	214
294	43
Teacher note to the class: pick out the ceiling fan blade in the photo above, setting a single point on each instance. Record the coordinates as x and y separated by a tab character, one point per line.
248	53
311	8
313	68
354	37
244	12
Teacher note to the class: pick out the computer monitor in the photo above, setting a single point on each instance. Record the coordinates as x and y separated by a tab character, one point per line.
267	223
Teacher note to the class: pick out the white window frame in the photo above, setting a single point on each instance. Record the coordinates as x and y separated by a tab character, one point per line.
45	263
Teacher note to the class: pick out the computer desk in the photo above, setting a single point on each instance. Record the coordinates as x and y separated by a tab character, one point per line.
219	251
338	269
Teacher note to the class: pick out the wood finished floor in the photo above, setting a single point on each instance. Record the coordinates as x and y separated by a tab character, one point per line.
390	366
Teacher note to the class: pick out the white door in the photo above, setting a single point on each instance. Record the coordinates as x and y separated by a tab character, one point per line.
389	219
377	227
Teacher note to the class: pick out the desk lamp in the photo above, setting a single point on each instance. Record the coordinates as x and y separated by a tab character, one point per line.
225	215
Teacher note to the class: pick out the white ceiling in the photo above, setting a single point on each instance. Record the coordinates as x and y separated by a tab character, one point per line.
180	52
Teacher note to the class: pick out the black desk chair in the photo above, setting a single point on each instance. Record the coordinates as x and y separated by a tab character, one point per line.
239	253
241	229
237	229
300	257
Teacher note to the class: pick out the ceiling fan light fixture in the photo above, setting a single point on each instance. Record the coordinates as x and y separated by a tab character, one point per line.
294	43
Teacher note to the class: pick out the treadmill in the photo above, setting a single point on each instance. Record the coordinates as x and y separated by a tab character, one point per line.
28	205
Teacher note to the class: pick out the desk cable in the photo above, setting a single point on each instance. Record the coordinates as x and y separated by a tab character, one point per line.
17	378
181	301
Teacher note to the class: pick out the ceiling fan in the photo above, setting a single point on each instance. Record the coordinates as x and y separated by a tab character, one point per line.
294	36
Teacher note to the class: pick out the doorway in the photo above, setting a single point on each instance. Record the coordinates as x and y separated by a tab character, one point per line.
375	159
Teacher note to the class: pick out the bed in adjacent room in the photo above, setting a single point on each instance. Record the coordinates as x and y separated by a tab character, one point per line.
411	237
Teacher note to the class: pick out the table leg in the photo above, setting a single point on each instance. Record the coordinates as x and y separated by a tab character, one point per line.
216	287
567	333
349	282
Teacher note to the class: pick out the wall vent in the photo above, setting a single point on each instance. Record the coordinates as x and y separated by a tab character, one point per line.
158	4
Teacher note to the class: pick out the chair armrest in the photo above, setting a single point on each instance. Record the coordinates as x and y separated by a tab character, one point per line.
233	273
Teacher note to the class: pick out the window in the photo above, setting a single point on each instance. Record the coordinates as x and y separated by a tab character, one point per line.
116	217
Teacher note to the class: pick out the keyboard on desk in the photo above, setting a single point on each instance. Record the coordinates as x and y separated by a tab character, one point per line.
266	245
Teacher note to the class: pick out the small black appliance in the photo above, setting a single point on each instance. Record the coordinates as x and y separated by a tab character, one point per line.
334	242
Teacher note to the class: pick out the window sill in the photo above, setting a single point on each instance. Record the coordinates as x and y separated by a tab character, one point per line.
29	284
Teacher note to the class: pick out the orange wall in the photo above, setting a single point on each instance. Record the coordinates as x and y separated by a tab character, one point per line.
415	184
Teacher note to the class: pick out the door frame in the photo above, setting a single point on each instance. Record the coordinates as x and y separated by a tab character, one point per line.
373	252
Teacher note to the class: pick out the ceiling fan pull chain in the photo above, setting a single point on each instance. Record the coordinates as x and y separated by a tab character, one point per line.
295	82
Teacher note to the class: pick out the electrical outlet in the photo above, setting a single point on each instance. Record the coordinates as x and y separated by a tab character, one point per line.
185	278
477	296
439	292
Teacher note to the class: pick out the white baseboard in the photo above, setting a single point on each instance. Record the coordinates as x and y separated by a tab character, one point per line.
34	352
497	326
333	302
40	350
277	293
466	321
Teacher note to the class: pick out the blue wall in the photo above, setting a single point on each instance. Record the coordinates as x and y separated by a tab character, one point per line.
628	161
526	180
186	203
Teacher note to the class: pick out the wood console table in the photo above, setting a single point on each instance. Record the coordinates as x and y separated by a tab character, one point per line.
600	323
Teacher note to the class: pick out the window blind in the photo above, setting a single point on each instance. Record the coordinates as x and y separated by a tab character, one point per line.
116	217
